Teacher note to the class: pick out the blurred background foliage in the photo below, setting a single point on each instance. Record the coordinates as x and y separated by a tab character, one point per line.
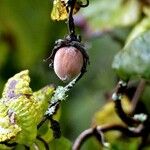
27	35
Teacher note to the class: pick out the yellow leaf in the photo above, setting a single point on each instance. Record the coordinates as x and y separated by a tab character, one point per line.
17	85
21	110
59	11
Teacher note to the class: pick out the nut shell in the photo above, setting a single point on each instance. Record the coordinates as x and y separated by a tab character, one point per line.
68	62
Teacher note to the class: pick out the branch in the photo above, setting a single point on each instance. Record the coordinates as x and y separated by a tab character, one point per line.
99	130
123	116
138	93
59	96
71	26
117	96
82	138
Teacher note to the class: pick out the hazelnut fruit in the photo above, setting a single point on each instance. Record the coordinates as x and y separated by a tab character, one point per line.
68	62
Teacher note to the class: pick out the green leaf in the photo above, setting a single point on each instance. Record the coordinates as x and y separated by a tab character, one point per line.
59	144
108	14
24	24
120	144
134	59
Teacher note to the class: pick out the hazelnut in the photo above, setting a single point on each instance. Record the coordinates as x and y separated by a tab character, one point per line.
68	62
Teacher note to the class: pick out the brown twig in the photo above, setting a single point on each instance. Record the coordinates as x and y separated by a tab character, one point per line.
82	138
125	117
137	94
137	132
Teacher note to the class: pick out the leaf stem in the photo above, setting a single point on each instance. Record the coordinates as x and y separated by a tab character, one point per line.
71	26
